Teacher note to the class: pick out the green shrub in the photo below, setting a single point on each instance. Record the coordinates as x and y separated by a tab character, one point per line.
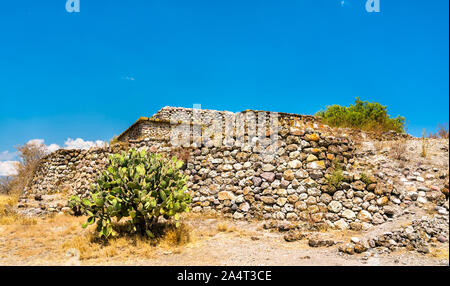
139	186
366	179
362	115
336	177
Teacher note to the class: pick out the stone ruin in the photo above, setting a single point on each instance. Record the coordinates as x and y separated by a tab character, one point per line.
243	180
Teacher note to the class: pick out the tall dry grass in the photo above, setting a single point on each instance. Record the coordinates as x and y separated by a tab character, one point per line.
8	216
399	149
441	133
127	245
425	143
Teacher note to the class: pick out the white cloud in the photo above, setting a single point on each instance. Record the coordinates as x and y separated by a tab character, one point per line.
129	78
8	168
7	165
70	143
35	142
6	156
48	148
81	144
52	148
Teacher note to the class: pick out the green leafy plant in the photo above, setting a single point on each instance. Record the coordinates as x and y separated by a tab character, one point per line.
139	186
364	115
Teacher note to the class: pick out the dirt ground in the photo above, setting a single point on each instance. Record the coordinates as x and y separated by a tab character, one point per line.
213	241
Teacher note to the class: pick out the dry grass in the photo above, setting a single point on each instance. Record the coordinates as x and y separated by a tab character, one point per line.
16	219
425	143
129	246
399	149
429	208
60	240
89	247
225	227
440	253
442	132
379	146
7	214
177	236
7	201
59	235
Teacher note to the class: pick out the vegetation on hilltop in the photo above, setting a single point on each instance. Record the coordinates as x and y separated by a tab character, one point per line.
369	116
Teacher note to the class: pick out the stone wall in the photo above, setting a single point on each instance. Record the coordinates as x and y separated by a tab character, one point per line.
158	127
152	129
69	171
160	124
283	180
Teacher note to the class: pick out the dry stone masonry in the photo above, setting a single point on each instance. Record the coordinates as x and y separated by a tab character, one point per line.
243	181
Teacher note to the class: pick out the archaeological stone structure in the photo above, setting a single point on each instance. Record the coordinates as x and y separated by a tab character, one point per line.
289	174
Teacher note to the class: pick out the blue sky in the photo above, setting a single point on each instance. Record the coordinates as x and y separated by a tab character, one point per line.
91	74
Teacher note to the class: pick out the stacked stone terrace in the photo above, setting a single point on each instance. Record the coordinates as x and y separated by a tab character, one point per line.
159	125
284	179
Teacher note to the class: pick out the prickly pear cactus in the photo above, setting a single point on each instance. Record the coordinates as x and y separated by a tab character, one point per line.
138	186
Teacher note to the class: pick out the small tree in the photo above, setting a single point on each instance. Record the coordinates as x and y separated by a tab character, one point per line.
140	186
29	156
5	185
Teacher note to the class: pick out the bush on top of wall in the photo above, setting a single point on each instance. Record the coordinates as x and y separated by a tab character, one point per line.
370	116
